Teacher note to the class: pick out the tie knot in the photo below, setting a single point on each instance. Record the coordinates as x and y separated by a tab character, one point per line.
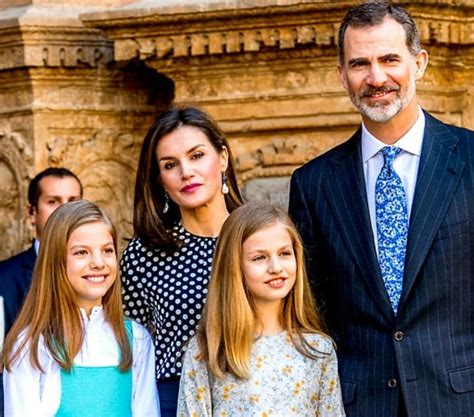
390	153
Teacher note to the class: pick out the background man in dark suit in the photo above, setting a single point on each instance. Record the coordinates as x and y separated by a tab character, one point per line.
46	192
388	230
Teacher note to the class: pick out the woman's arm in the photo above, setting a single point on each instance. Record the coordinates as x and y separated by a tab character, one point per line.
135	304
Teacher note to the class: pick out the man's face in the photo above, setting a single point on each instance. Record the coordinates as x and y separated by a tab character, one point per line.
55	191
379	72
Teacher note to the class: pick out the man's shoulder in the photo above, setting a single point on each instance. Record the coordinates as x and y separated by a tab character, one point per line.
460	132
22	259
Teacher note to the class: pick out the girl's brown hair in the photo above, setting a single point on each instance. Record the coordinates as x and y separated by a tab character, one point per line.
228	324
50	309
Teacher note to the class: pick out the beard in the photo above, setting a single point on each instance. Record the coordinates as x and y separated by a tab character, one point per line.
383	111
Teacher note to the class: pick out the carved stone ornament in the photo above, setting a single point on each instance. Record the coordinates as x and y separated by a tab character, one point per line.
15	158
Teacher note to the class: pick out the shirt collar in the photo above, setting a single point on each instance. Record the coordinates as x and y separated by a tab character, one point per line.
36	245
410	142
97	313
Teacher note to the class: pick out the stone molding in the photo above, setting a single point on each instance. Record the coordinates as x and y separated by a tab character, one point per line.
154	35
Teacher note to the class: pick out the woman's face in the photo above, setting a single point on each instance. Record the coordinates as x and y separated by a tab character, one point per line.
191	168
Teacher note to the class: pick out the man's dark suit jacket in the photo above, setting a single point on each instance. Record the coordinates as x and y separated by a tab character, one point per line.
426	352
15	280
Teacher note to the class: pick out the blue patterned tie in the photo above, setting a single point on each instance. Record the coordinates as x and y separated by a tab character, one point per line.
391	214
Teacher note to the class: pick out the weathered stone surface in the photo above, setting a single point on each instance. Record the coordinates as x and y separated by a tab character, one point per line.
274	190
80	82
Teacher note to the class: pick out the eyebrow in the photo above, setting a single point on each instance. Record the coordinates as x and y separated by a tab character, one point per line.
382	58
165	158
85	245
266	250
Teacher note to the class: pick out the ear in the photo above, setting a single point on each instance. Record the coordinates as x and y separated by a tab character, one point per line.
224	158
31	214
342	75
421	62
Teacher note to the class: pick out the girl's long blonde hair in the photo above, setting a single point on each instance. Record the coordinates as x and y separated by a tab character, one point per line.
228	324
50	309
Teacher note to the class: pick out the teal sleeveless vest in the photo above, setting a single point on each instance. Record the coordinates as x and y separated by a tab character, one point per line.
93	391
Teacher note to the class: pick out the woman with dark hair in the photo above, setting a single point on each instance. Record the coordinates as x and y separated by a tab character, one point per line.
185	189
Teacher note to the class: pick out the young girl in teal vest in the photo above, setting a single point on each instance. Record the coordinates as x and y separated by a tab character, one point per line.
71	353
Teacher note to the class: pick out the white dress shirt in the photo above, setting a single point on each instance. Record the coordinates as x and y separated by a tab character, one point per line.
405	165
30	393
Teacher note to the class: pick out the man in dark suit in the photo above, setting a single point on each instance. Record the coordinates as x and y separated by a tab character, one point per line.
386	219
46	192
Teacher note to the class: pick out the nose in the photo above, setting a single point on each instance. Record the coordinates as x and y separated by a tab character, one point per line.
97	261
376	76
186	170
275	265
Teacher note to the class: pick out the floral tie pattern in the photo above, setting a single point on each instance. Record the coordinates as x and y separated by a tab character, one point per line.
391	214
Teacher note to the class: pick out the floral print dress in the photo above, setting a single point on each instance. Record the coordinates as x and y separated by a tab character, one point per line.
283	383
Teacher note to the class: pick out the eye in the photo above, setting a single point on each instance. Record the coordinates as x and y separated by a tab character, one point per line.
52	202
257	258
109	250
169	165
286	253
80	252
197	155
357	64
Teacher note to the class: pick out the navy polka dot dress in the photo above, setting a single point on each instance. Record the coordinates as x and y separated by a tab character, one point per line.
166	292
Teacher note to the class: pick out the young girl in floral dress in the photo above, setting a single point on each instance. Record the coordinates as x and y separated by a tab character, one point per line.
260	349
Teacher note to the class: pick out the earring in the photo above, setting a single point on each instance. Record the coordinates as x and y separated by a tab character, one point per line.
166	207
225	187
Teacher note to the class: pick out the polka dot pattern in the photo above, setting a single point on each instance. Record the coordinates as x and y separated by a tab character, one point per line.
166	292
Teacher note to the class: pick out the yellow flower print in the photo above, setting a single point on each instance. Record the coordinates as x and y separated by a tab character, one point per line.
200	393
259	362
287	369
298	385
331	385
254	399
226	391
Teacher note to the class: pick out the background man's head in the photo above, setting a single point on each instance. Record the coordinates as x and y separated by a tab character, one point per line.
47	191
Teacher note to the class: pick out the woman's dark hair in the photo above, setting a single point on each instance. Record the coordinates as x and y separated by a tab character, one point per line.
149	222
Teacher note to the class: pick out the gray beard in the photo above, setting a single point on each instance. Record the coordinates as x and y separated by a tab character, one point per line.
382	113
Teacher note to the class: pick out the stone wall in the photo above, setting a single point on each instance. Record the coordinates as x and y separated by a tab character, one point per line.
80	85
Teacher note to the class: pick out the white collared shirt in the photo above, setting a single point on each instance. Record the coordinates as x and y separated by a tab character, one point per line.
29	392
406	164
36	245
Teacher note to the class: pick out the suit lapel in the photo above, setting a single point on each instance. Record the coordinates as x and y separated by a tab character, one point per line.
347	196
439	174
